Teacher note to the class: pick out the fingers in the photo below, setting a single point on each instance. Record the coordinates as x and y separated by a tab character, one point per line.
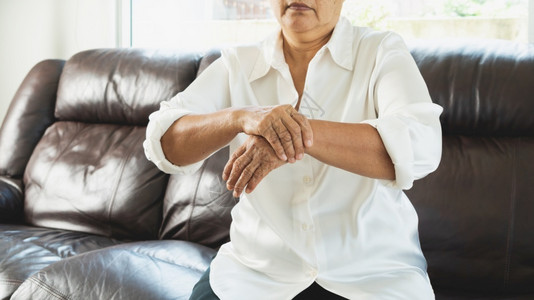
242	169
297	141
230	164
274	140
288	136
305	127
249	178
289	132
249	164
244	178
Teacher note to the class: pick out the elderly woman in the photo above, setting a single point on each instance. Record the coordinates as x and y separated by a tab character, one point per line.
327	123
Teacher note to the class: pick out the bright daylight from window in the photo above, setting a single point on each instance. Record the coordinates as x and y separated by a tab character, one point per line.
209	23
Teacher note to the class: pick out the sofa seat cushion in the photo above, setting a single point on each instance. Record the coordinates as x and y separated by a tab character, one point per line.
25	250
140	270
445	295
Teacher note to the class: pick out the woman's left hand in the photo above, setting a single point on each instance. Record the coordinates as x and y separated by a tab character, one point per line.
249	164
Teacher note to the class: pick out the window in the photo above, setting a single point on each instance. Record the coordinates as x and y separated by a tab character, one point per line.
500	19
209	23
199	23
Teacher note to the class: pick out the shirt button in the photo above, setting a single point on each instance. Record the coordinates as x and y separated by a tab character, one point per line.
306	227
313	273
307	180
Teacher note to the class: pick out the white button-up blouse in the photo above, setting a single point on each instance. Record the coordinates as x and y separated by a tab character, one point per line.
308	221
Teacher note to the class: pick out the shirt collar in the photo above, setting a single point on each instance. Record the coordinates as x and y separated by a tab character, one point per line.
340	47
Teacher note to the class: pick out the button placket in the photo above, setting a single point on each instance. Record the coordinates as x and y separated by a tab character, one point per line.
306	227
307	180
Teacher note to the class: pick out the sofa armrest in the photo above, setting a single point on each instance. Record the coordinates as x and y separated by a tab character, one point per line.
11	200
31	111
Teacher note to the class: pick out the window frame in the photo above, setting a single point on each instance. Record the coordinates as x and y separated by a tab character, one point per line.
125	34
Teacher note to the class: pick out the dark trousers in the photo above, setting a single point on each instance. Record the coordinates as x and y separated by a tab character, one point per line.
203	291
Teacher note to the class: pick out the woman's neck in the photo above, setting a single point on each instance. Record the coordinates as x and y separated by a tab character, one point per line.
298	53
300	50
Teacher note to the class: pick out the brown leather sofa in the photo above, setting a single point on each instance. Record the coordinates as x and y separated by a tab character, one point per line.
84	215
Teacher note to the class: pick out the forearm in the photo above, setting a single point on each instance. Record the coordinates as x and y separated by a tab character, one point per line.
356	148
193	138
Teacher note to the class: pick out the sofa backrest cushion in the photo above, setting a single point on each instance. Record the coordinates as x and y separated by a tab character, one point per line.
94	178
121	87
483	85
89	172
197	206
208	58
475	210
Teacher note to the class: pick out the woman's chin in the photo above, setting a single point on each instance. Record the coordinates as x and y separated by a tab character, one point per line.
296	25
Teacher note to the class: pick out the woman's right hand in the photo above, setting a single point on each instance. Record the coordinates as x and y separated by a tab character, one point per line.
287	131
249	164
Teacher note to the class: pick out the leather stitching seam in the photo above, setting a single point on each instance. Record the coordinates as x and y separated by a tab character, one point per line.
50	290
511	218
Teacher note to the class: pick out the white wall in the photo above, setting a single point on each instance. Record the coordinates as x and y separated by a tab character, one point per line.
34	30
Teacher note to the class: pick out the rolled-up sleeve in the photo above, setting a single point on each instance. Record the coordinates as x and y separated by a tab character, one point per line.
408	121
207	94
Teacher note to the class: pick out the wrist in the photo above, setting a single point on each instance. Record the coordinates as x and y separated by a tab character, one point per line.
314	124
235	120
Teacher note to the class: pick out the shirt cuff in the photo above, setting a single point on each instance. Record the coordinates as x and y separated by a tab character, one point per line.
413	142
159	123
